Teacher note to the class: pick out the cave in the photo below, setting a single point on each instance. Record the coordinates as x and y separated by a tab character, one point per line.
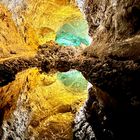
69	69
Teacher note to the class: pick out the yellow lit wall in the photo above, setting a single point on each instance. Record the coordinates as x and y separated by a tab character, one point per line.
47	16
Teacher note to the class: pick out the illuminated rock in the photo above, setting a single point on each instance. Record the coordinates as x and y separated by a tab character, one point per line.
73	80
112	110
37	22
11	43
33	109
42	16
81	4
73	33
32	106
29	106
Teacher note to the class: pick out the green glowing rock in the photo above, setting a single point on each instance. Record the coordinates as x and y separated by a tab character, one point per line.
68	39
73	33
73	80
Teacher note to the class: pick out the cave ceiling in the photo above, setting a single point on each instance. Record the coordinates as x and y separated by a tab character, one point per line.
43	18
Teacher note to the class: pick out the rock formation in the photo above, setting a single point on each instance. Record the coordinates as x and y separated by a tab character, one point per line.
34	105
10	37
111	64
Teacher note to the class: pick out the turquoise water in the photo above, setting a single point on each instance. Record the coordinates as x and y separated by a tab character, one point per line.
74	80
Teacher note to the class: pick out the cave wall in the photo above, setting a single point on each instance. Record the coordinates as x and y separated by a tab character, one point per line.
112	66
34	105
30	17
30	108
117	20
11	43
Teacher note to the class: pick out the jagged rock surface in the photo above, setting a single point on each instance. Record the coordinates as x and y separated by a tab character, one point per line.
111	64
9	36
113	100
113	68
30	17
49	57
31	110
34	105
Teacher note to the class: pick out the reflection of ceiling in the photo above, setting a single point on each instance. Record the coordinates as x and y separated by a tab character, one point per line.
73	80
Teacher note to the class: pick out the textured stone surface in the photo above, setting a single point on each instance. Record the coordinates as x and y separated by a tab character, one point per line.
32	110
112	66
112	22
10	37
49	56
115	19
116	98
34	105
31	15
115	95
